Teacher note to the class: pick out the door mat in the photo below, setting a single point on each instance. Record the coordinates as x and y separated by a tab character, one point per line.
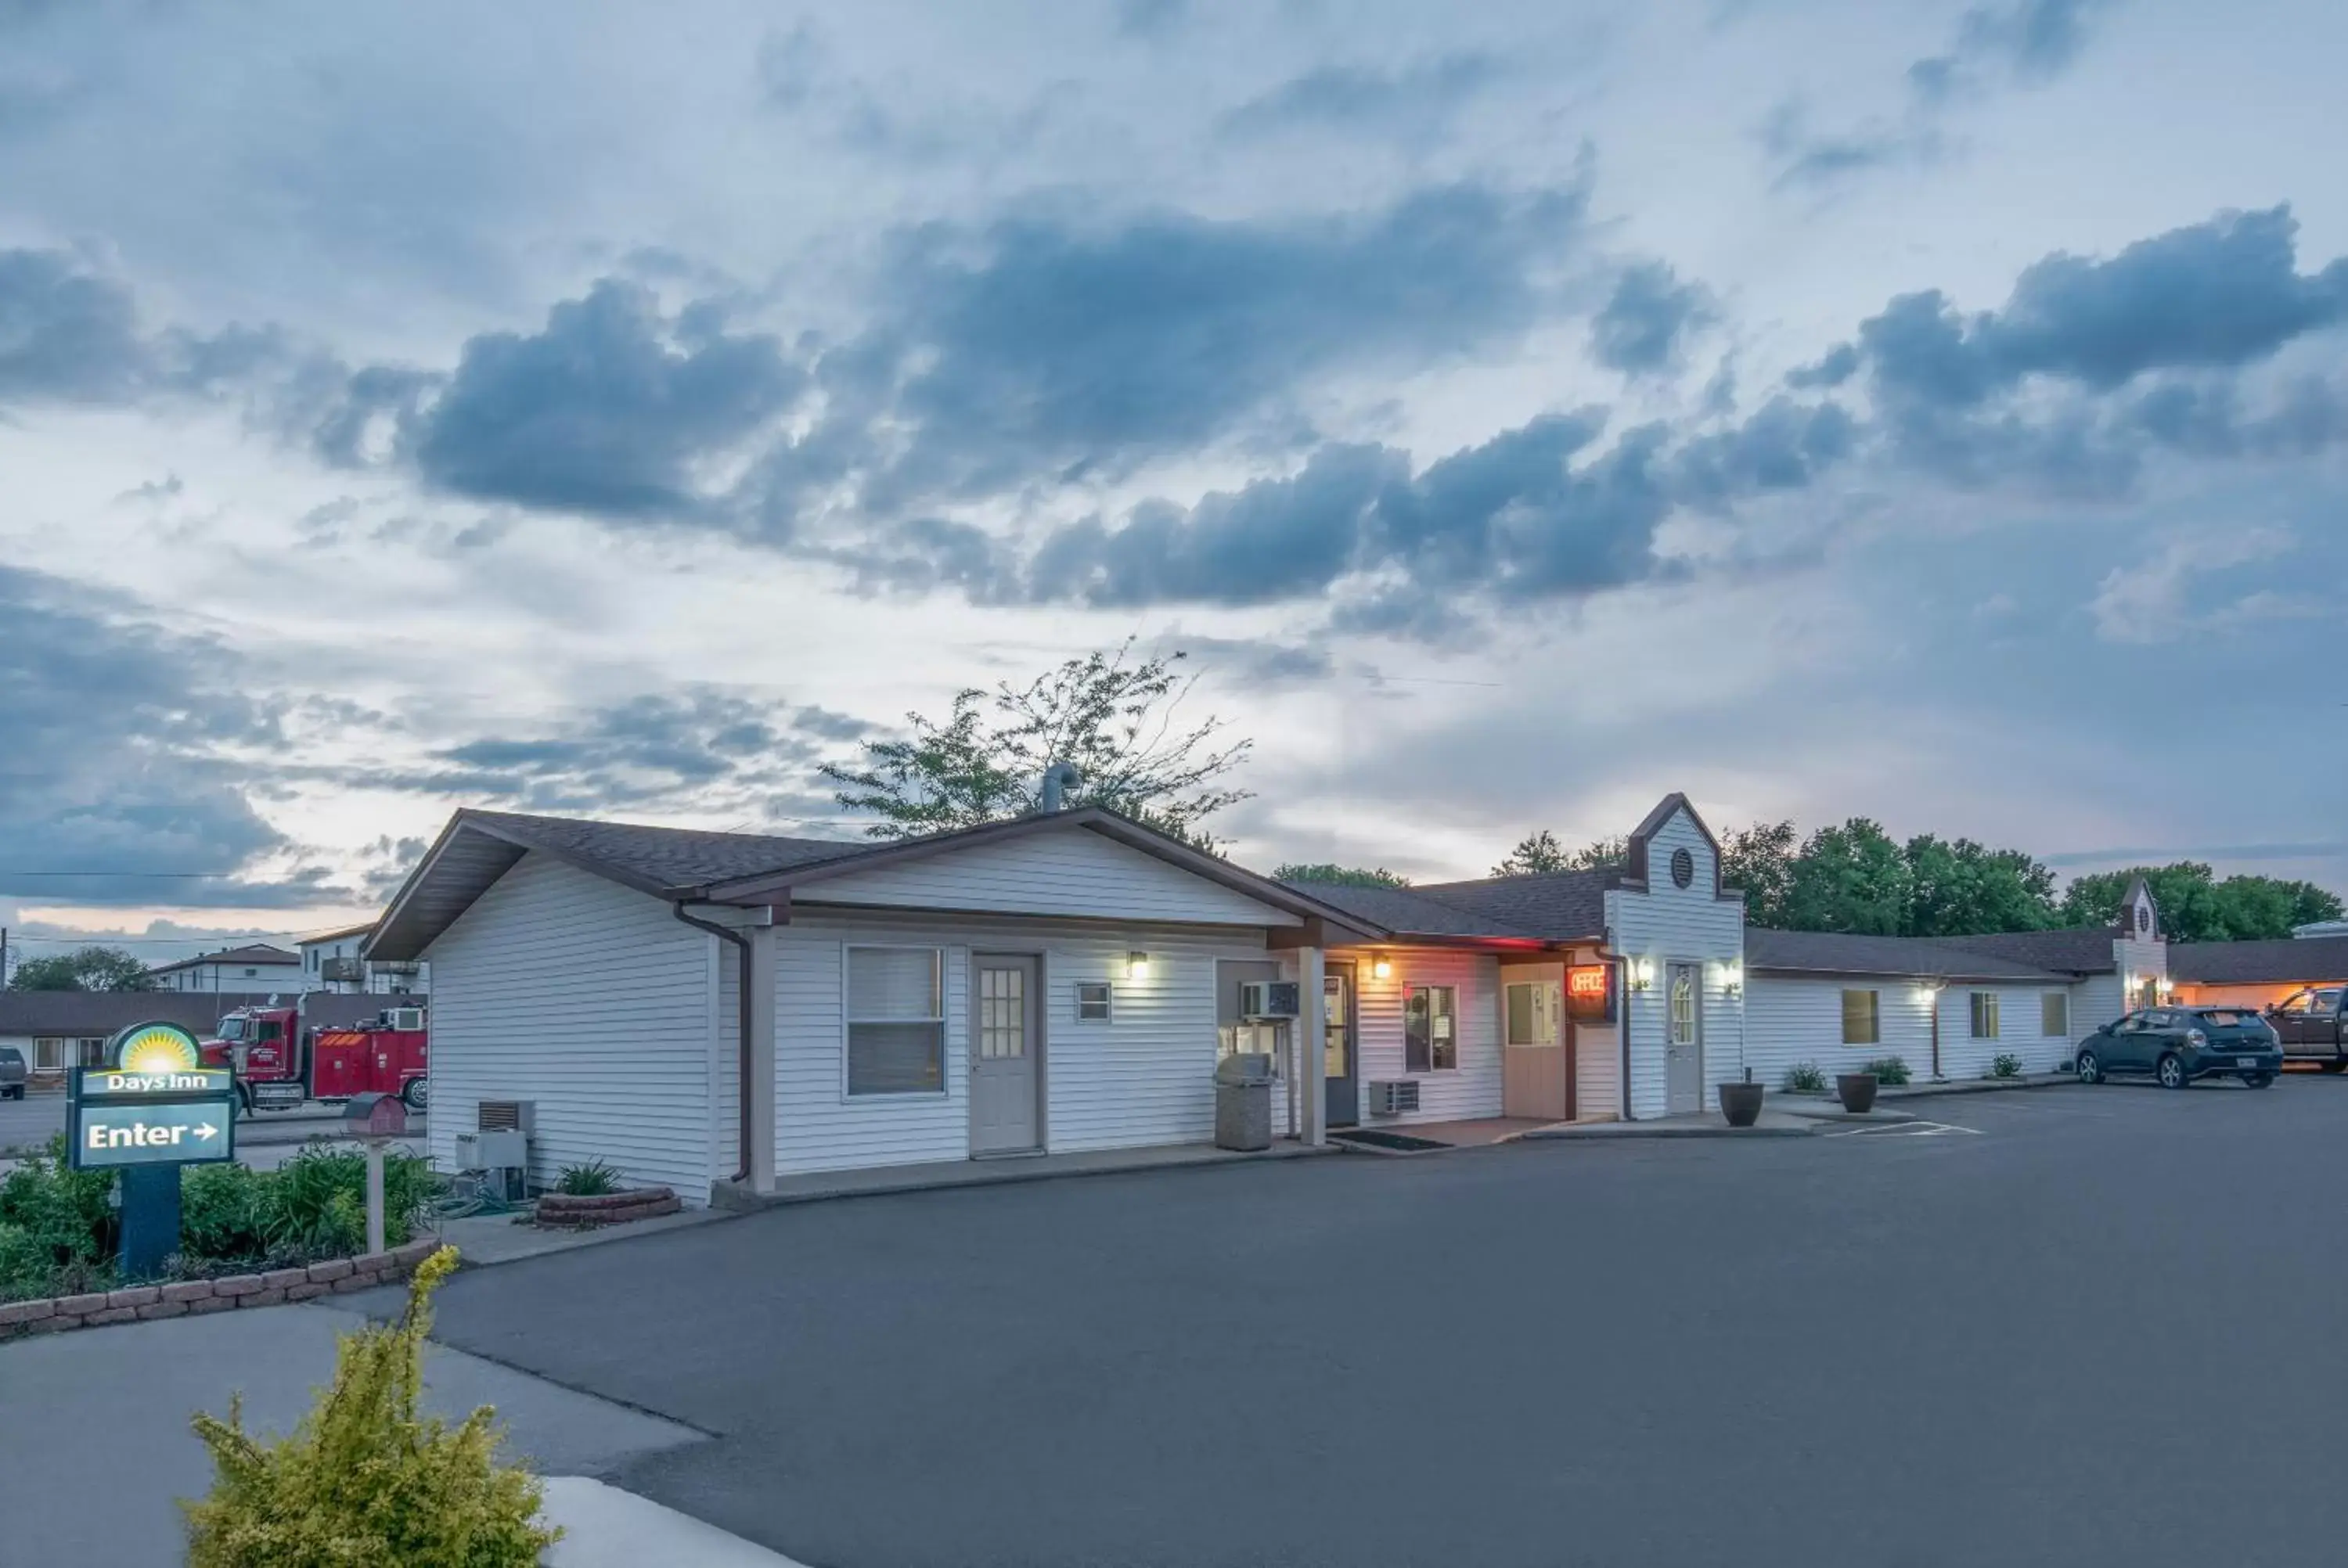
1387	1143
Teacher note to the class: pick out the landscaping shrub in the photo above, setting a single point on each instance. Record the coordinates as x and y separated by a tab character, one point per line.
1806	1078
1888	1069
591	1180
364	1480
2006	1065
59	1234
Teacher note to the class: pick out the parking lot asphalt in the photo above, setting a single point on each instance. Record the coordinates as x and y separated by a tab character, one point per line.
2076	1327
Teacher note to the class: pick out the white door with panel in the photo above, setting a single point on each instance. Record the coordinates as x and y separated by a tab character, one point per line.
1006	1049
1684	1039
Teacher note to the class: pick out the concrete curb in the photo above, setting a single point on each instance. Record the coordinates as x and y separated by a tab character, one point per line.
1977	1086
1007	1173
1603	1131
604	1527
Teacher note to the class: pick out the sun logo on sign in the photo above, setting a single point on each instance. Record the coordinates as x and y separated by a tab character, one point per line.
156	1047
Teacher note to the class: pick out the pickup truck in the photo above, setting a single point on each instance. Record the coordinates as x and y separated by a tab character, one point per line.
2312	1026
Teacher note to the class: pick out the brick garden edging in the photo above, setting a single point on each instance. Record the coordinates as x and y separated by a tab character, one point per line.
145	1303
566	1211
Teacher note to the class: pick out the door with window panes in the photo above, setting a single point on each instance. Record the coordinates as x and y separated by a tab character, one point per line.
1684	1039
1005	1045
1342	1095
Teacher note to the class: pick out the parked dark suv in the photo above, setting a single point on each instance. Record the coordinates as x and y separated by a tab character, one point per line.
12	1074
2178	1044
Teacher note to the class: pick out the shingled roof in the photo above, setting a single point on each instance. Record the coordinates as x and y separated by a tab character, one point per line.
1850	953
689	865
2293	960
2078	950
254	953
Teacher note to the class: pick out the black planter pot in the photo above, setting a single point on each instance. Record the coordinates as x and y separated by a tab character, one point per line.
1741	1103
1856	1090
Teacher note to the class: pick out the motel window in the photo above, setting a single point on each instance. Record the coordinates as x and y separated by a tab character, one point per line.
93	1052
1533	1012
2055	1014
48	1056
1430	1029
1984	1021
1862	1022
896	1021
1092	1001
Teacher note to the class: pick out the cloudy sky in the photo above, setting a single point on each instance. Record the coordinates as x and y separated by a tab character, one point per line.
1893	407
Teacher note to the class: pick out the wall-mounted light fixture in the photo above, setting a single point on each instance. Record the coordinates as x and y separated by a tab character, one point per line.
1643	974
1927	990
1137	966
1732	977
1380	967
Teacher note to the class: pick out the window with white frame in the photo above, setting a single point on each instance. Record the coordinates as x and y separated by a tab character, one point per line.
48	1056
1430	1029
2055	1014
1984	1019
1862	1018
896	1021
93	1052
1092	1001
1684	1006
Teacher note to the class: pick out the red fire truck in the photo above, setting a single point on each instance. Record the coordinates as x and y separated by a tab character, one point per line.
279	1062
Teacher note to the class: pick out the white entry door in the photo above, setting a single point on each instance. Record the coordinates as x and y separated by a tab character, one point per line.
1005	1048
1684	1039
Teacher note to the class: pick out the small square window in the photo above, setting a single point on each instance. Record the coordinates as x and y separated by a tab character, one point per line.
1092	1001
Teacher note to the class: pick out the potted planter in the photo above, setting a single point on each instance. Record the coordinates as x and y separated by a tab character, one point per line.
1741	1103
1856	1090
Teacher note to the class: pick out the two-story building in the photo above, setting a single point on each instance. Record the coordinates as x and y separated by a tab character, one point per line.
254	966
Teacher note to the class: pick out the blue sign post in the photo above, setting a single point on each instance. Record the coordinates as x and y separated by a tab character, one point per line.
158	1108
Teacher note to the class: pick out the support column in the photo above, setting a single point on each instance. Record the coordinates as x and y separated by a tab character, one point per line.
1313	1037
761	1162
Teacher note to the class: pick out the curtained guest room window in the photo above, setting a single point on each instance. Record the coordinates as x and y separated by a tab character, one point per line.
896	1021
1861	1018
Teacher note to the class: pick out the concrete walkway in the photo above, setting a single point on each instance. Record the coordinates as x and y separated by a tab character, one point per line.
482	1239
95	1448
940	1176
1773	1123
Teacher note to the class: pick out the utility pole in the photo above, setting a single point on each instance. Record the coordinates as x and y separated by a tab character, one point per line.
4	958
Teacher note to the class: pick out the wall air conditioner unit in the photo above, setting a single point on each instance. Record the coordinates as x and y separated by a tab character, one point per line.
1394	1099
506	1116
492	1151
408	1017
1267	1000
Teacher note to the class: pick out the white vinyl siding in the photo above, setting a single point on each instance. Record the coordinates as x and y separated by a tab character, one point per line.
1793	1019
1473	1088
1143	1077
1965	1054
1667	925
1072	872
591	1000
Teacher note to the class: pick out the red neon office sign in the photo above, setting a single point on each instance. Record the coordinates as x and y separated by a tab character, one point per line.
1590	991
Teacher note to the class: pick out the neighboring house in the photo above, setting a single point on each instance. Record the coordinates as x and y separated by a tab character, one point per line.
256	967
1058	983
2257	974
57	1031
331	962
1948	1006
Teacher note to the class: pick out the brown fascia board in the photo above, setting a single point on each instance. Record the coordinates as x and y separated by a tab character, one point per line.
1107	824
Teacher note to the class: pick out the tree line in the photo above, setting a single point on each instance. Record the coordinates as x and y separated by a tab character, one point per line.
1857	878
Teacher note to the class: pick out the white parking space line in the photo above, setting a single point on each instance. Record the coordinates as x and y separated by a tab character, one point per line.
1904	1130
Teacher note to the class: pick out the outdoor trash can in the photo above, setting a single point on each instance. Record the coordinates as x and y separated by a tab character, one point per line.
1243	1102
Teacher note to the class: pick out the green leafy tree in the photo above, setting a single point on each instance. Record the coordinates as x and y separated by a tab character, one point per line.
1959	889
1329	872
1853	877
1760	860
2196	906
92	969
364	1480
1116	721
1541	853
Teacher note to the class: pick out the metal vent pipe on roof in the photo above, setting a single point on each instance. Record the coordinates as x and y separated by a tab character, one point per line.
1058	779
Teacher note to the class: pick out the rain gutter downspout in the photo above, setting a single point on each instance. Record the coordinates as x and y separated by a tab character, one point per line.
743	1088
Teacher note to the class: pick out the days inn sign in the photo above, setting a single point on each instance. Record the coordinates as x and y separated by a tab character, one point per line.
158	1106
